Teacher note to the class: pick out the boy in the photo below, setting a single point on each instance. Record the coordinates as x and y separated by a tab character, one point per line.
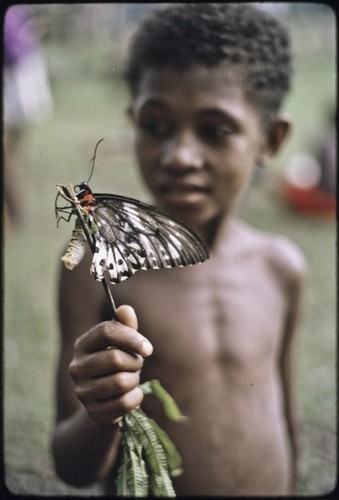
207	82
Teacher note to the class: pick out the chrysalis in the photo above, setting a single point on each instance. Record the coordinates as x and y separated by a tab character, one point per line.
76	248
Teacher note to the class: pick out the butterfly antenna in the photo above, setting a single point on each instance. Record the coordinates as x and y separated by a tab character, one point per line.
93	160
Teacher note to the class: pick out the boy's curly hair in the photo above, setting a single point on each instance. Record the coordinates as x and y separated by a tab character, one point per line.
184	34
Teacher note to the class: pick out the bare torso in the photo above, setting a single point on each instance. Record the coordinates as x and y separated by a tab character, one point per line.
217	331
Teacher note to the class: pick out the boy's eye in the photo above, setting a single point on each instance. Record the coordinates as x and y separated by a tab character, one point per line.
155	127
212	132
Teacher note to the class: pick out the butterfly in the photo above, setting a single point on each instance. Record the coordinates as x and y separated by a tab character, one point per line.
125	234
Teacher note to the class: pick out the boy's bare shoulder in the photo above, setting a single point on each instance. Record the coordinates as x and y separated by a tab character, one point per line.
283	255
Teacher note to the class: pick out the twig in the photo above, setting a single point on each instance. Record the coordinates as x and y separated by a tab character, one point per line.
70	193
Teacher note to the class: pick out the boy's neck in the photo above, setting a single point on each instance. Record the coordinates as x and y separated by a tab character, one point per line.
210	233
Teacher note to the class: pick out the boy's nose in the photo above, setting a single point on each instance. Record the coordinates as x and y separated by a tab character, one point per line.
182	153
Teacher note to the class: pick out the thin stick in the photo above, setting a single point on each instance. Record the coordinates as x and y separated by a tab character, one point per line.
75	202
106	286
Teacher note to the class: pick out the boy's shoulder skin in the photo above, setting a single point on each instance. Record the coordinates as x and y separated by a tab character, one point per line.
284	255
245	242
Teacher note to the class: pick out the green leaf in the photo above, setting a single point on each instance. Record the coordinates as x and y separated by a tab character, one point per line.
149	457
121	479
174	461
154	454
132	477
170	406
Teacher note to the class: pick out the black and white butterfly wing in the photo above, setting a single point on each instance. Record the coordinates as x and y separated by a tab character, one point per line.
132	235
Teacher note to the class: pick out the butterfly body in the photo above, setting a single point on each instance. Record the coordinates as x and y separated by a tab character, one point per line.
126	235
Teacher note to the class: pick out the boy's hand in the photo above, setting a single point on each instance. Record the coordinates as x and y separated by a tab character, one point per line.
106	367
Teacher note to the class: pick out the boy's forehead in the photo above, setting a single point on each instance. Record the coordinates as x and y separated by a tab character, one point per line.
217	81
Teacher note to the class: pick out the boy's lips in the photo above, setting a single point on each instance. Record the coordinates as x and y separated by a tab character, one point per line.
184	193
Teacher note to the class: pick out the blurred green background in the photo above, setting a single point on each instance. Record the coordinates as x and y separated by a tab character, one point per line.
82	44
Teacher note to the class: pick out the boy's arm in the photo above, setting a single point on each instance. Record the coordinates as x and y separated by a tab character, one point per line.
85	446
294	290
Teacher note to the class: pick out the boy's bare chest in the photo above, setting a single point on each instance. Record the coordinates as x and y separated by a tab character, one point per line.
230	313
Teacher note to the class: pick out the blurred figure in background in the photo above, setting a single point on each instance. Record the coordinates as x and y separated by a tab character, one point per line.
309	181
27	100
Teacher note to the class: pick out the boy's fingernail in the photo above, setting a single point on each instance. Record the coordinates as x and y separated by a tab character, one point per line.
146	348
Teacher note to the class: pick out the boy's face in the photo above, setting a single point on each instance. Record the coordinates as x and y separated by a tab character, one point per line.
198	140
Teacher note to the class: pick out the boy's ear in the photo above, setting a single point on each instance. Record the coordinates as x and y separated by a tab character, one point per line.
277	132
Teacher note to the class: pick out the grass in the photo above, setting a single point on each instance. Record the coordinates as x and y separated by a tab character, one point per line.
89	106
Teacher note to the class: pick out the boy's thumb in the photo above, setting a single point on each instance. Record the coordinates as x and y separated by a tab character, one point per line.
127	316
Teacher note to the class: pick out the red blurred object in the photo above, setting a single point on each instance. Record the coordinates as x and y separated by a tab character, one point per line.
311	201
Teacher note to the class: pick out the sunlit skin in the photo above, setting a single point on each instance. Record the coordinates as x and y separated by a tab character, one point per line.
220	334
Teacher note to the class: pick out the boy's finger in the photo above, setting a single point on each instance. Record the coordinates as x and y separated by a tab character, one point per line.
127	316
111	334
